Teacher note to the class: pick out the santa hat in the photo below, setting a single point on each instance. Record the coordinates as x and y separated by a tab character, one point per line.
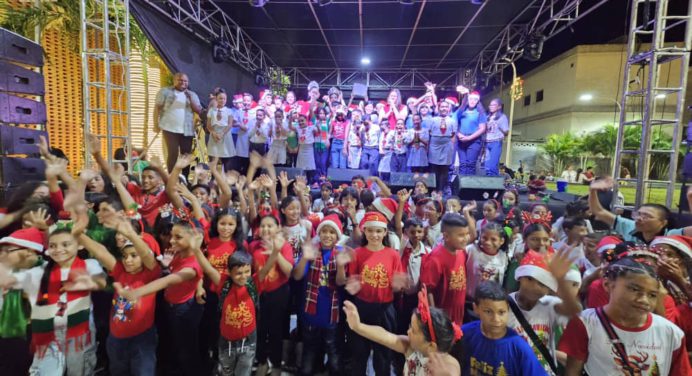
264	93
606	243
373	219
303	107
475	94
353	107
29	238
411	99
535	265
386	206
452	101
340	109
237	98
333	221
680	243
313	85
573	275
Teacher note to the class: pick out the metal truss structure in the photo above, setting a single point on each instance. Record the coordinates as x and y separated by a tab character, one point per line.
381	79
552	17
207	21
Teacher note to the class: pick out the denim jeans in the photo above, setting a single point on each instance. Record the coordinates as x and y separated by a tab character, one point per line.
235	358
321	159
134	355
468	155
492	159
398	163
62	357
370	159
183	324
337	159
316	342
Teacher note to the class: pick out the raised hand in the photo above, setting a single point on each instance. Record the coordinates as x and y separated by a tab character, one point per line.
128	294
301	183
166	258
404	195
309	251
470	206
353	285
196	240
400	281
184	192
604	184
283	179
352	316
183	161
38	219
155	162
55	166
266	181
79	281
255	185
669	270
344	257
43	148
86	175
93	143
74	201
560	263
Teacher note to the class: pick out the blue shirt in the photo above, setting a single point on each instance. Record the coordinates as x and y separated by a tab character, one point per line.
469	120
485	356
322	317
626	228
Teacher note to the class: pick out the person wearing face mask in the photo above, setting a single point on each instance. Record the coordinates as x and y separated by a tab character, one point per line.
472	121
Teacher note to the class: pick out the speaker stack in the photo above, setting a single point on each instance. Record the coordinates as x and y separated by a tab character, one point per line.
22	117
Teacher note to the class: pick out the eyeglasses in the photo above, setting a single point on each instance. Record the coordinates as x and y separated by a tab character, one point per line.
644	216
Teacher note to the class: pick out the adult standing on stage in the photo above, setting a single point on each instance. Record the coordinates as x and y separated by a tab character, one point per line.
443	130
497	129
174	116
394	110
472	120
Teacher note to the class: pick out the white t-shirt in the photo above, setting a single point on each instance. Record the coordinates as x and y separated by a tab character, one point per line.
173	119
414	263
481	266
656	345
561	235
543	319
569	175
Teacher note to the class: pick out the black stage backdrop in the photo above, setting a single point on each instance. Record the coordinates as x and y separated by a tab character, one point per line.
184	52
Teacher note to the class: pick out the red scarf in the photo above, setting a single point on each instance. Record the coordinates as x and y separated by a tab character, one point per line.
238	314
313	286
77	310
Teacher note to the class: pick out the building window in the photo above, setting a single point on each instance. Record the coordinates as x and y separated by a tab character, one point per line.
527	100
539	96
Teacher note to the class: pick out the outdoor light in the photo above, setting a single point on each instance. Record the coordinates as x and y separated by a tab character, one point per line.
660	96
258	3
586	97
365	61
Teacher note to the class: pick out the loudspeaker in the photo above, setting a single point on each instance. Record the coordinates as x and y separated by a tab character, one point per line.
20	110
16	140
481	187
14	47
17	79
409	180
563	196
290	171
16	171
344	175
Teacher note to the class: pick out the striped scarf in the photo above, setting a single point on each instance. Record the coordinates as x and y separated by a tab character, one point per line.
313	286
77	312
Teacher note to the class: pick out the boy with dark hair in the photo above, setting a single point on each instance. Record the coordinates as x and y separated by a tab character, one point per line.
575	229
489	346
443	271
325	197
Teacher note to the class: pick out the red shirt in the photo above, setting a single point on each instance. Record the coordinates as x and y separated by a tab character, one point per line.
183	291
218	253
376	269
130	319
444	274
275	278
238	315
150	204
683	319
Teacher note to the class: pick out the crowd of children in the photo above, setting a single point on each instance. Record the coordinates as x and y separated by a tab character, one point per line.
230	274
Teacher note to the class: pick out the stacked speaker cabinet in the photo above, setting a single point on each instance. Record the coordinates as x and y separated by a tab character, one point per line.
22	113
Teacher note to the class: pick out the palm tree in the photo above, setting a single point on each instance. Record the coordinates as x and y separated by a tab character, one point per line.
560	148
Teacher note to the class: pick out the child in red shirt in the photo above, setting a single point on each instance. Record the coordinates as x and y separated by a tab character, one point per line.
444	270
375	273
132	340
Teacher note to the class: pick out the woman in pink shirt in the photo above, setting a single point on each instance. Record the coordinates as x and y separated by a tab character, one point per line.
394	110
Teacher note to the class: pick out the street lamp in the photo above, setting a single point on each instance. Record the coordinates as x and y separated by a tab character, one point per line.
587	97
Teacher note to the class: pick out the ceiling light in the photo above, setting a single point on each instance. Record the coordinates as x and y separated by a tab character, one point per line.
586	97
324	2
365	61
476	2
407	2
660	96
258	3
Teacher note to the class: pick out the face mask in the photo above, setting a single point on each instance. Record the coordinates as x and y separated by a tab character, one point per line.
506	204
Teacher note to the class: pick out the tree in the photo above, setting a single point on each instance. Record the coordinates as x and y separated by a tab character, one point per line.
560	148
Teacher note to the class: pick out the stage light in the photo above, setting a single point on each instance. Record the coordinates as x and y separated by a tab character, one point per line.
324	2
365	61
476	2
258	3
534	46
585	97
261	78
660	96
220	50
407	2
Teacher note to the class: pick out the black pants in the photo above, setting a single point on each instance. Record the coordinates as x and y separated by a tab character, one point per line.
260	148
317	342
209	331
241	164
183	323
372	314
176	144
274	307
405	304
441	176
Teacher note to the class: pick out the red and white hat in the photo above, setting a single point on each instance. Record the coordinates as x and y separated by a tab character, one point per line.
452	101
679	242
373	219
264	93
332	220
29	238
386	206
238	98
606	243
411	99
535	265
475	94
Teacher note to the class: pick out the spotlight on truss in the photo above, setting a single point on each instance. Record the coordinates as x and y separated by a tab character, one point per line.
534	47
220	50
258	3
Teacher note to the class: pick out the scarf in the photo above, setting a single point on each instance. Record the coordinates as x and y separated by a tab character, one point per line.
239	306
313	286
77	311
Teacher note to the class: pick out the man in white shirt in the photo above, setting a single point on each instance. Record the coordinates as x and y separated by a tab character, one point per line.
569	175
174	117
